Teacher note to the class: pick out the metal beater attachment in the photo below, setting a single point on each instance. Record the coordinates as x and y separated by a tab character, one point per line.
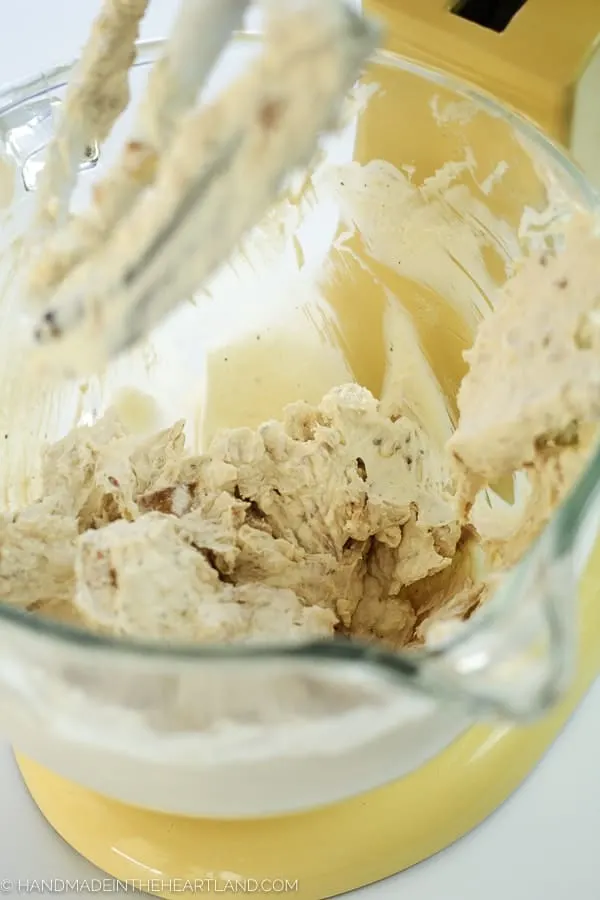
194	176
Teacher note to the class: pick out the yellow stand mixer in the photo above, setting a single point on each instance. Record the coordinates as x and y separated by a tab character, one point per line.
394	827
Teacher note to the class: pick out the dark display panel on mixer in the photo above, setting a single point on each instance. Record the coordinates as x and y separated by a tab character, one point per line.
493	14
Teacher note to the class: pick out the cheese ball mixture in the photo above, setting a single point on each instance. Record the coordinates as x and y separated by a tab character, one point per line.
336	519
530	401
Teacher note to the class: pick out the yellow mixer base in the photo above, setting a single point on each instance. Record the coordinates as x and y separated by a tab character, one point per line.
314	855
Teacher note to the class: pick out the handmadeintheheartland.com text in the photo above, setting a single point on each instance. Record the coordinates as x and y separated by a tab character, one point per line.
32	886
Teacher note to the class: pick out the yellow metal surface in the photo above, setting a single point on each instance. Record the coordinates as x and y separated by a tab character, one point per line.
545	64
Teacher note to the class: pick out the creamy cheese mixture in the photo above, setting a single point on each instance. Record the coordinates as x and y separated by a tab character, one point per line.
530	400
336	519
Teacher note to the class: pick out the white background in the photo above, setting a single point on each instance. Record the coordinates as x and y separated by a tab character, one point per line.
544	844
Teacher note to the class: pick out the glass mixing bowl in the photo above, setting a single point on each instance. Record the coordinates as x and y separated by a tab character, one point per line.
418	209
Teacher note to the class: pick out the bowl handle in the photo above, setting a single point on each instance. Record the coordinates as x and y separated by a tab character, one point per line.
519	654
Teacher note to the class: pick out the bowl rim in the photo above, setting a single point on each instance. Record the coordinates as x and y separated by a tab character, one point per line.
402	664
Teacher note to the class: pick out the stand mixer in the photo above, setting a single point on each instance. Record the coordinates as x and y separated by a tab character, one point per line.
326	851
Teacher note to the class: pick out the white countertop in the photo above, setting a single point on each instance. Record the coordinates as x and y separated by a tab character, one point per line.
542	845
